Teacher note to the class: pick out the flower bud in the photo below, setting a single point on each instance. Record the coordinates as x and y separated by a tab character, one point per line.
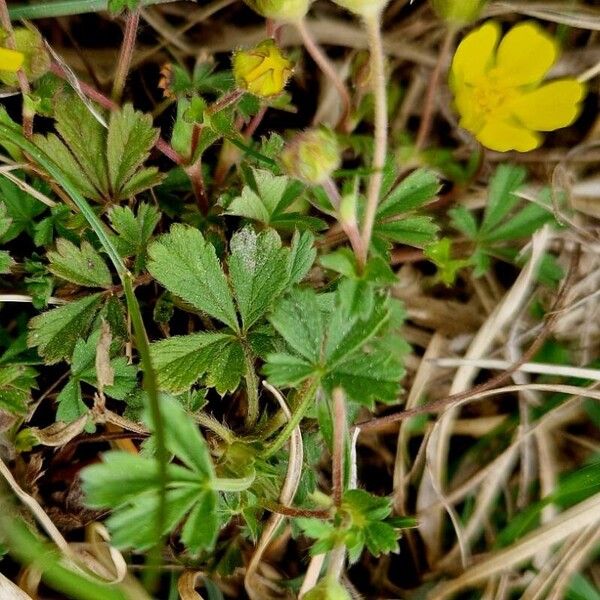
263	71
286	11
312	156
34	59
458	12
363	8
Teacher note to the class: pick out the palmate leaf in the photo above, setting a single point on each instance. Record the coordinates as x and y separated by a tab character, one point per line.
17	211
129	485
55	333
83	266
334	346
105	165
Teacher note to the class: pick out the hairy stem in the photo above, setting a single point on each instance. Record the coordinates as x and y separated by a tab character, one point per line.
215	426
429	106
306	394
251	388
377	63
339	444
328	69
124	64
27	114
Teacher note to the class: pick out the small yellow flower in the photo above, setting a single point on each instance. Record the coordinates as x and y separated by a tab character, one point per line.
10	60
263	70
499	91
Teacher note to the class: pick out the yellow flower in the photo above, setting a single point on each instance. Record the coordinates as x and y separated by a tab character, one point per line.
263	70
10	60
499	90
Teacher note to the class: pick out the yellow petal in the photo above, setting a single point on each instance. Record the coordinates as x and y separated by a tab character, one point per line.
525	54
475	54
470	118
10	60
551	106
503	136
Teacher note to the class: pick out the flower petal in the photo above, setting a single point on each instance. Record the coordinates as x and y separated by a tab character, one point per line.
503	136
525	54
552	106
475	54
10	60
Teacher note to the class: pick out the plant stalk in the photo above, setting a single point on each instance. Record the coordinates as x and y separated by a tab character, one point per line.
377	65
64	8
127	48
307	394
251	387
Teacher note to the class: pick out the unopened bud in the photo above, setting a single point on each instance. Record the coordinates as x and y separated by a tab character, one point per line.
263	70
30	55
328	589
312	156
286	11
458	12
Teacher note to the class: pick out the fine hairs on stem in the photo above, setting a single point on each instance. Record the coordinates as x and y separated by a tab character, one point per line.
131	26
377	64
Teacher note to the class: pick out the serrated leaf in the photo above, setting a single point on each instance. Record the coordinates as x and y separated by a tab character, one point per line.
299	321
56	332
463	220
83	266
181	361
301	257
414	191
16	382
70	403
414	231
202	526
501	196
187	265
129	141
258	272
6	262
18	210
521	225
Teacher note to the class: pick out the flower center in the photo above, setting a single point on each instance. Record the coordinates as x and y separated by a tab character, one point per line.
492	97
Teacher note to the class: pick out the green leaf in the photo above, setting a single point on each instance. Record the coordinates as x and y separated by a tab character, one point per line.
83	266
17	210
258	270
130	139
299	321
501	196
463	220
70	403
301	257
134	230
181	361
414	191
183	438
202	526
414	231
521	225
6	262
187	265
16	382
56	332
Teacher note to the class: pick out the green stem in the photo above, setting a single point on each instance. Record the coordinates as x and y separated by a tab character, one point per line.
14	136
63	8
233	485
377	63
251	387
307	394
215	426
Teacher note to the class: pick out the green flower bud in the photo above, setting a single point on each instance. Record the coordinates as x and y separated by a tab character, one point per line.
263	71
363	8
35	61
312	156
328	589
287	11
458	12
